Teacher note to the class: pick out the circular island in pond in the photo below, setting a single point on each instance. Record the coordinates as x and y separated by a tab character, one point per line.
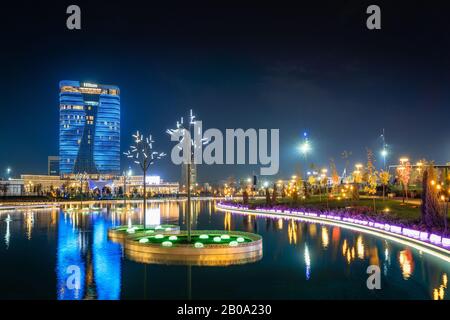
206	248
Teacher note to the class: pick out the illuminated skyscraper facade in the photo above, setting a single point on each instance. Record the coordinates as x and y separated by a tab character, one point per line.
89	128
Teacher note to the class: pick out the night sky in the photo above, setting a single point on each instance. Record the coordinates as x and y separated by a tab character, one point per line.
297	68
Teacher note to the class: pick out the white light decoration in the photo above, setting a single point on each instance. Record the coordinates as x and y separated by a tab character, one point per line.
153	218
143	240
198	245
240	239
130	230
173	238
185	132
159	236
153	180
150	231
167	244
168	229
233	243
141	152
217	239
225	236
204	236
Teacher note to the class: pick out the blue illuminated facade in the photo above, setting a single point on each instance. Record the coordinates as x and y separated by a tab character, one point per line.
89	128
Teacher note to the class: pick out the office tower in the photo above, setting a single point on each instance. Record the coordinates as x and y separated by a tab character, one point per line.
53	166
89	128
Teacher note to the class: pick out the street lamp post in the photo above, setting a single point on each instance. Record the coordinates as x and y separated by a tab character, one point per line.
142	154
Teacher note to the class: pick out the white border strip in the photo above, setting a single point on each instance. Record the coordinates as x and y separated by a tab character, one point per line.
405	236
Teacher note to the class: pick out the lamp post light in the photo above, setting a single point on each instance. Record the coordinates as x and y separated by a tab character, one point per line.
305	148
384	154
384	150
141	152
184	133
8	173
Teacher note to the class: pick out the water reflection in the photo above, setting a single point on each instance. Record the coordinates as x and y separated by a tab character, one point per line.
8	232
297	255
406	262
325	239
307	263
97	258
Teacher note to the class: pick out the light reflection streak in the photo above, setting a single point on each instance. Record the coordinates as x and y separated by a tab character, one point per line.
406	262
307	263
7	233
325	238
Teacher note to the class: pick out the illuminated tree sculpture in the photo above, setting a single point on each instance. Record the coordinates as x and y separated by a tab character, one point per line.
183	133
141	152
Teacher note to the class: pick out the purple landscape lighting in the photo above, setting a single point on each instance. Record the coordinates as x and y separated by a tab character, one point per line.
430	240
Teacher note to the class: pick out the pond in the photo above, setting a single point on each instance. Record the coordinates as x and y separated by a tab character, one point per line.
300	260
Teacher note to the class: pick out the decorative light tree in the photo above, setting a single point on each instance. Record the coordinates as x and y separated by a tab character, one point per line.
184	132
142	154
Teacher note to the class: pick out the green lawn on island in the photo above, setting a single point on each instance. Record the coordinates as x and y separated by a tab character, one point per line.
207	238
409	211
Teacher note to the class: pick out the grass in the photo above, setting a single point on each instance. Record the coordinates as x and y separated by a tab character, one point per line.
182	239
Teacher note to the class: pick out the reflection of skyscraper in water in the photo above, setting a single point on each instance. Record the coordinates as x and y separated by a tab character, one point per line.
97	258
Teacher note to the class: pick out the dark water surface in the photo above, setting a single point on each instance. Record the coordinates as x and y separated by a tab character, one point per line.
300	260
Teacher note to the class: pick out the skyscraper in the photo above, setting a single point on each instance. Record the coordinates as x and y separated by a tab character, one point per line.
184	176
53	166
89	128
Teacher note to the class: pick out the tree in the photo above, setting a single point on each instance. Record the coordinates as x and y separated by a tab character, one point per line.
430	210
267	197
371	177
245	197
357	179
312	181
294	194
141	152
334	175
384	180
404	174
274	194
283	191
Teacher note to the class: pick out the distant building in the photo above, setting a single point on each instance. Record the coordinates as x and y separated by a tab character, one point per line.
89	128
53	166
154	185
11	187
31	185
184	176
